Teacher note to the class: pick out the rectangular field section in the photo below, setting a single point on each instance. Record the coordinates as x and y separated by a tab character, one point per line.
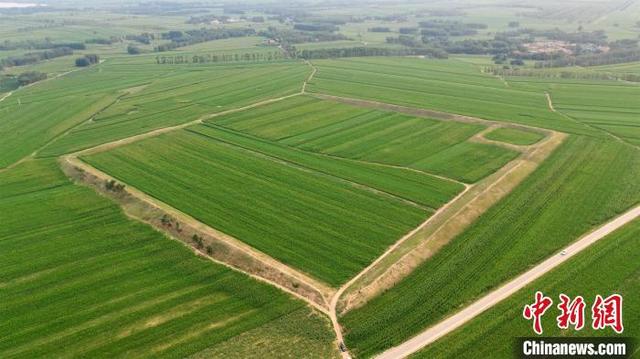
327	226
79	279
363	134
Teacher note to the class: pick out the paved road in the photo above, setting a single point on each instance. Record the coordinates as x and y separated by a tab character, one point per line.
457	320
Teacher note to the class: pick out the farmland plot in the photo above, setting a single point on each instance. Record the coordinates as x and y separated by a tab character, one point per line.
418	187
444	85
514	136
584	182
321	224
184	94
80	279
373	136
609	106
33	116
492	334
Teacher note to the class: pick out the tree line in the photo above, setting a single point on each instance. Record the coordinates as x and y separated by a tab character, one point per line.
45	44
190	37
34	57
87	60
220	58
362	51
578	75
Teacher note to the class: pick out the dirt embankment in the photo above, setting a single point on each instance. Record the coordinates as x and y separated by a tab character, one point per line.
445	226
202	239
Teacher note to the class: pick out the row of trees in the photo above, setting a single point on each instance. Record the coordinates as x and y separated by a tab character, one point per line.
289	37
30	77
190	37
582	75
322	27
369	51
605	58
45	44
87	60
446	28
216	58
34	57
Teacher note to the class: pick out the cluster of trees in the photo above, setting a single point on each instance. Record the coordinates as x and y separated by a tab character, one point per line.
207	19
103	41
133	50
379	29
113	186
446	28
287	38
34	57
190	37
408	30
322	27
369	51
87	60
390	18
405	40
198	241
582	75
605	58
39	45
30	77
215	58
144	38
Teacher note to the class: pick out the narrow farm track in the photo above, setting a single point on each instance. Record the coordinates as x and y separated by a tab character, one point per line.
476	308
552	108
6	95
343	288
480	138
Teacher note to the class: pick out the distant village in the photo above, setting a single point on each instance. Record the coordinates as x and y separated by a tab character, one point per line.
556	46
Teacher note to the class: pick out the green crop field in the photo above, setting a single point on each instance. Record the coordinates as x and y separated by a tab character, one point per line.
406	158
80	110
373	136
320	224
34	116
80	279
182	95
583	183
613	107
417	187
445	85
625	68
494	332
514	136
609	107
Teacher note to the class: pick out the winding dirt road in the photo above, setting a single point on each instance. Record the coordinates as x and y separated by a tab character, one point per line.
471	311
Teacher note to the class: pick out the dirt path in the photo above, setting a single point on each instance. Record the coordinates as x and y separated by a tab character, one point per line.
336	297
6	95
549	102
610	134
480	138
471	311
308	79
443	226
420	112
